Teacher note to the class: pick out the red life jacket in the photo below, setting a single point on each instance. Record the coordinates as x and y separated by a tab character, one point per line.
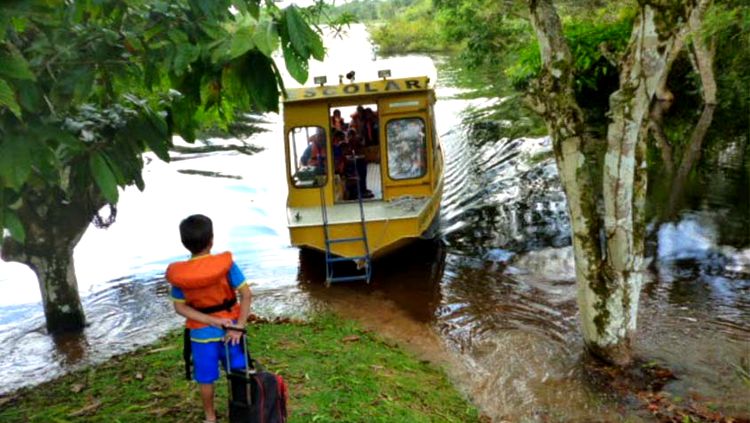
204	282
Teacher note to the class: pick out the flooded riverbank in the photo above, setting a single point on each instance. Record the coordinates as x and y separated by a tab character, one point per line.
494	301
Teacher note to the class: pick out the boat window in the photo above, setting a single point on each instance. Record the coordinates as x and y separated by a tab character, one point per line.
407	148
307	156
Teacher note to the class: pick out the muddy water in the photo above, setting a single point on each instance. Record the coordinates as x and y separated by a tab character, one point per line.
494	302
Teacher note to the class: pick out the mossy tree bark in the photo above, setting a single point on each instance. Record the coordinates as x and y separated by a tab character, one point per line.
608	243
54	225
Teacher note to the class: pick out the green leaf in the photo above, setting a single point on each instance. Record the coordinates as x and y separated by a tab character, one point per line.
158	139
14	225
139	181
8	98
317	49
297	66
242	42
13	65
212	9
214	30
253	7
185	55
84	83
15	161
29	96
297	30
104	177
260	82
183	122
266	38
219	51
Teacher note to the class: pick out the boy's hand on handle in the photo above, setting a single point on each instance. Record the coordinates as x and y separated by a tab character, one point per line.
233	334
219	322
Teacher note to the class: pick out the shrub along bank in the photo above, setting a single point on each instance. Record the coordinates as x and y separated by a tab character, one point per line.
335	372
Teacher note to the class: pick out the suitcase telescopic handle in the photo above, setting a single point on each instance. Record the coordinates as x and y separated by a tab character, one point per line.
245	352
235	329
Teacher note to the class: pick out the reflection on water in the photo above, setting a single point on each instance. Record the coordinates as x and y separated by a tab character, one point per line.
494	303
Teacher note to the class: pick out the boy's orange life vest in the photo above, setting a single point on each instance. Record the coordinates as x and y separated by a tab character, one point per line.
204	282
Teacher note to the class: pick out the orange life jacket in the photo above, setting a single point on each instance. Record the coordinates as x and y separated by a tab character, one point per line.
318	156
204	282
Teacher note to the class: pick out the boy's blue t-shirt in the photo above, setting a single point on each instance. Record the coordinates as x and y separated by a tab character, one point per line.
209	333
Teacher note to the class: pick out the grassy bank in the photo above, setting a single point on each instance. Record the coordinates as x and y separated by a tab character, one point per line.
334	369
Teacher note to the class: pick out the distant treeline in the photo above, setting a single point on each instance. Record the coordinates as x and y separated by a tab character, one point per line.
372	10
494	39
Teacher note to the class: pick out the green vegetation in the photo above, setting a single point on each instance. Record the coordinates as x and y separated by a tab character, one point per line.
335	372
397	26
503	58
414	28
87	87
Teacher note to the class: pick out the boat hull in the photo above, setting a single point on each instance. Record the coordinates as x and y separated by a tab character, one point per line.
388	226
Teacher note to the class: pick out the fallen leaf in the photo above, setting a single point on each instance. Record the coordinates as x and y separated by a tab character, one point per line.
159	411
89	409
167	348
350	338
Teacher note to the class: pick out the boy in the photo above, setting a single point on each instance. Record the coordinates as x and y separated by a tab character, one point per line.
203	291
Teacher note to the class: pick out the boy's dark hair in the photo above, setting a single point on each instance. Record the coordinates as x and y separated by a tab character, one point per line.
196	232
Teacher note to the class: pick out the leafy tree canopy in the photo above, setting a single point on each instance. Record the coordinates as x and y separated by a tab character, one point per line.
87	86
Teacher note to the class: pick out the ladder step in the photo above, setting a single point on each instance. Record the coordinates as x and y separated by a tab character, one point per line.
348	278
338	259
340	240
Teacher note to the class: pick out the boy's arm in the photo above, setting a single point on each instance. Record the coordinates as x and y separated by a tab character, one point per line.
235	337
186	311
245	300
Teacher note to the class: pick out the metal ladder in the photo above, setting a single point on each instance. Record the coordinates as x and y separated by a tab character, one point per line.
362	261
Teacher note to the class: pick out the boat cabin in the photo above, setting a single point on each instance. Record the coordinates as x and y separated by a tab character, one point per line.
361	154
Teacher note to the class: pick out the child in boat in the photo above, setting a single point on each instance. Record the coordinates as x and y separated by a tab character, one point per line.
337	122
315	153
356	166
340	147
204	292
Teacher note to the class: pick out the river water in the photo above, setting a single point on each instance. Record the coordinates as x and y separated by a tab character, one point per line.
494	302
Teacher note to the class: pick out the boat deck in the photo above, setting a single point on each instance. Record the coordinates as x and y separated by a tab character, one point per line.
348	212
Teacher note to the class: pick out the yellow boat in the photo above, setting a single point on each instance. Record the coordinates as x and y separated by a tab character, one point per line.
364	167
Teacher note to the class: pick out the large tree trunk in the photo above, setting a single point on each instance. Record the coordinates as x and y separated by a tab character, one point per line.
53	227
609	262
553	97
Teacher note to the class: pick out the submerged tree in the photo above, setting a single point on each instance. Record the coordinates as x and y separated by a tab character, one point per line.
87	87
606	195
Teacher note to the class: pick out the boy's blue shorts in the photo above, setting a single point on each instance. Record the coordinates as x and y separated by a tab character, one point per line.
208	355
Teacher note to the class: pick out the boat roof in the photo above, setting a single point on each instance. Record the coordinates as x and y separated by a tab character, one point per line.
376	88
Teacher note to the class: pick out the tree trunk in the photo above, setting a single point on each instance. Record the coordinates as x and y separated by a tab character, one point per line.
58	285
608	262
553	97
703	63
690	157
53	226
656	127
